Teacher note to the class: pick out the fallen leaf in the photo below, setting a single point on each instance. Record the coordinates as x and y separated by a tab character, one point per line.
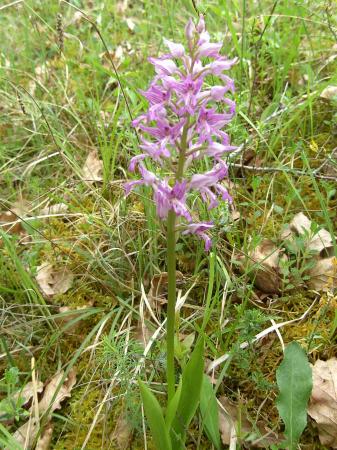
21	207
27	433
58	208
300	225
48	402
122	434
234	425
229	420
158	289
10	223
130	23
323	402
44	440
53	281
69	315
323	275
93	167
329	93
264	266
25	394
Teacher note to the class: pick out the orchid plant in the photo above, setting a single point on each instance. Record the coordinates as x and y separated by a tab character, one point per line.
182	126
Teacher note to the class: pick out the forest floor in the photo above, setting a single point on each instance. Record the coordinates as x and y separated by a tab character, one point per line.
82	268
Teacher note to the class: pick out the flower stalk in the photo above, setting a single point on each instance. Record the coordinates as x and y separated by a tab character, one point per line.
182	126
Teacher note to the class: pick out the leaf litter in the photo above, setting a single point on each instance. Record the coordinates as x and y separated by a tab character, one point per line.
323	402
266	261
55	392
53	281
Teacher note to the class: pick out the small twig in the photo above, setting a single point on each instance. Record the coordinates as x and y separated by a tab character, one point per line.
259	336
297	172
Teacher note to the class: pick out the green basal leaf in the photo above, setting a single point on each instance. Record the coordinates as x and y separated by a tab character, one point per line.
172	407
294	380
209	412
155	418
189	397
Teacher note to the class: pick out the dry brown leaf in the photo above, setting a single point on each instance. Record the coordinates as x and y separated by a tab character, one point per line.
53	281
10	223
228	420
27	433
301	224
323	276
48	402
93	167
21	207
130	23
73	313
233	425
158	289
323	401
264	264
44	440
329	93
58	208
28	391
122	434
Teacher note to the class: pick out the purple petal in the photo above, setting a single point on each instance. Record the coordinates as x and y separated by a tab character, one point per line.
209	50
176	50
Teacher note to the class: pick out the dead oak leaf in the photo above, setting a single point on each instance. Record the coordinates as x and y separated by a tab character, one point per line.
53	281
323	401
264	264
28	391
234	425
44	440
329	92
56	391
315	241
93	167
323	275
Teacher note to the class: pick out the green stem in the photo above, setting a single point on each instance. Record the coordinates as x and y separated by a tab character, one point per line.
171	273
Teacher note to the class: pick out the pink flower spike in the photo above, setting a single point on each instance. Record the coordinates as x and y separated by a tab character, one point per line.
216	150
183	123
176	50
209	50
199	229
201	24
218	92
163	66
204	38
190	30
134	162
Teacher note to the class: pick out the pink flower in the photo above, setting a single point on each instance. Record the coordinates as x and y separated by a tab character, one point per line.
183	124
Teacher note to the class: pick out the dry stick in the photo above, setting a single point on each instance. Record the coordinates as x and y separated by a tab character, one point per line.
109	57
283	169
259	336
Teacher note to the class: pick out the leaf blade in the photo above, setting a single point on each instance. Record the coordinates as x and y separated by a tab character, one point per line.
190	395
294	379
209	412
155	418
